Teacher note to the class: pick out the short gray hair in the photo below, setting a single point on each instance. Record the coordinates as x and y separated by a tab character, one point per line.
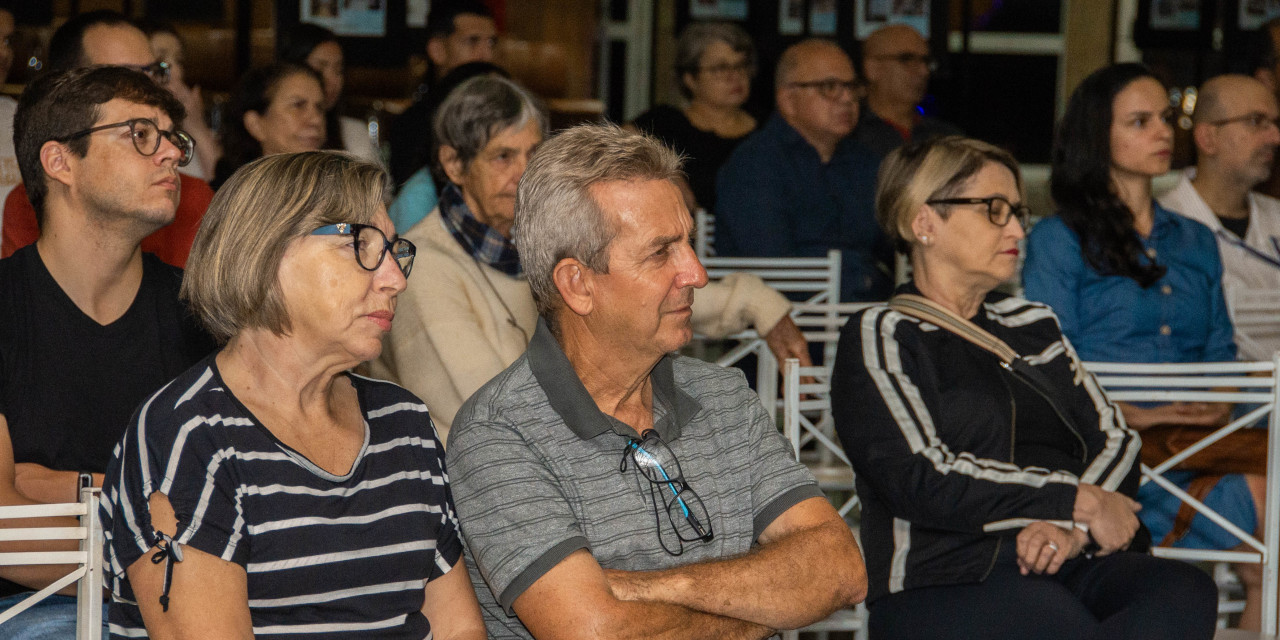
694	41
556	217
480	108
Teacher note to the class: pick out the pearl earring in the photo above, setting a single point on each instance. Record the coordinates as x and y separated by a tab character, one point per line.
924	240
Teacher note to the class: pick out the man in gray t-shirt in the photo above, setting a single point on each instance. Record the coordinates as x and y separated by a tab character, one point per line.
605	486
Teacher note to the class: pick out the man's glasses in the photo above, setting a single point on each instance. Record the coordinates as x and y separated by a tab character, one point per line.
832	89
723	71
158	70
371	245
999	210
908	59
685	512
1256	121
146	136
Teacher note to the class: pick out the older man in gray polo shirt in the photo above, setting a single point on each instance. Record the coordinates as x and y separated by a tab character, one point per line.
606	487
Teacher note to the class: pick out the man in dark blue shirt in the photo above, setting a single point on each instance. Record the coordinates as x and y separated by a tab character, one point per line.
897	65
801	185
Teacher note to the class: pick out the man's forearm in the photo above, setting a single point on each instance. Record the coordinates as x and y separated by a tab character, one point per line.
574	600
48	486
786	584
666	621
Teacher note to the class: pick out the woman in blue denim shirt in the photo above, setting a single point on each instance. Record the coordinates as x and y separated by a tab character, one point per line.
1134	282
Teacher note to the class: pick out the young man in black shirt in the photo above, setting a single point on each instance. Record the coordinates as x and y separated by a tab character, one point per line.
89	325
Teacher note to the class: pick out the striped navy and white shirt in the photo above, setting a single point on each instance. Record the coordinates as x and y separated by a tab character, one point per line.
326	556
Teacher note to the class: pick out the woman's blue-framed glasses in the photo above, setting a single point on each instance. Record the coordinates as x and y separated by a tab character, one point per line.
371	245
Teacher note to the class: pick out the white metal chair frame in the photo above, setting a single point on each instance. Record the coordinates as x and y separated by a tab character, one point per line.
797	398
704	233
818	277
87	560
1235	382
821	322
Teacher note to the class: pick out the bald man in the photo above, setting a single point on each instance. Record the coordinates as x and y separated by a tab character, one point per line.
1236	138
897	65
801	185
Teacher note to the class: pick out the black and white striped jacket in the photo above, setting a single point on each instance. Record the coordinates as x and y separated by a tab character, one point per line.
953	455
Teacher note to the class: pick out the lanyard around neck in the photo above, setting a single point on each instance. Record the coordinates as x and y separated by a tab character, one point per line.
1270	260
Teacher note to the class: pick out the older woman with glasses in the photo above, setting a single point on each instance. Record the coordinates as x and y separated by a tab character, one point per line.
996	481
715	62
268	489
475	314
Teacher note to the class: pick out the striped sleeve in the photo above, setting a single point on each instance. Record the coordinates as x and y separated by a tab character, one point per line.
179	454
884	398
1117	445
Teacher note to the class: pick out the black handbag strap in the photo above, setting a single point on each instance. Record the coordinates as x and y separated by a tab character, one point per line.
929	311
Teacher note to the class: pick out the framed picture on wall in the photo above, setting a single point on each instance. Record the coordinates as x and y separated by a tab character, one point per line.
1175	15
1254	13
875	10
373	33
361	18
870	15
718	9
791	17
415	13
822	17
1174	24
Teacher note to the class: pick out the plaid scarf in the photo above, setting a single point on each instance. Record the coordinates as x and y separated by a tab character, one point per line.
477	238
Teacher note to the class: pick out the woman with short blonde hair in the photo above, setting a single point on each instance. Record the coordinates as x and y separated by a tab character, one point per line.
268	489
997	498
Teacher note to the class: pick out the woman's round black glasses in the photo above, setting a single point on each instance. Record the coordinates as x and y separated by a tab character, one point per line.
146	135
371	245
685	511
999	209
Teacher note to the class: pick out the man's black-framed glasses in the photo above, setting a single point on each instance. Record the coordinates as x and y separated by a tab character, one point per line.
371	245
146	136
999	209
1255	120
832	89
685	512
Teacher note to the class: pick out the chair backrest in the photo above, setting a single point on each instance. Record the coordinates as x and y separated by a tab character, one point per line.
1251	384
816	278
1255	314
801	399
704	233
807	390
86	562
819	322
822	322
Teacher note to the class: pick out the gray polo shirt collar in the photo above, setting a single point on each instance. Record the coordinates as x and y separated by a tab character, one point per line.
569	398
